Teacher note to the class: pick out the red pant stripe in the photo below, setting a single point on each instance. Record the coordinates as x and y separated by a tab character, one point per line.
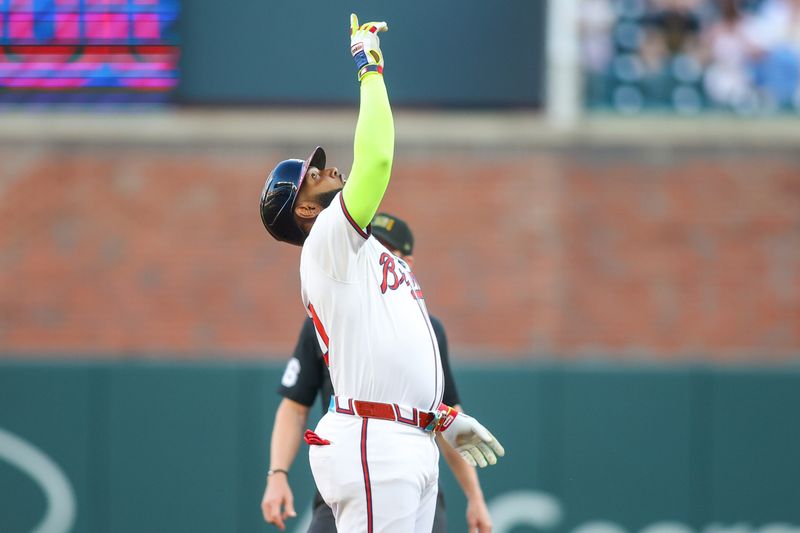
365	467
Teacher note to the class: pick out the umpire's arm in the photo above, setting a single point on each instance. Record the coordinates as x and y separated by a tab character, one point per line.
300	383
278	502
478	518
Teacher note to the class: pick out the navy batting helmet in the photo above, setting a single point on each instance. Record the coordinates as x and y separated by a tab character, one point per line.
280	193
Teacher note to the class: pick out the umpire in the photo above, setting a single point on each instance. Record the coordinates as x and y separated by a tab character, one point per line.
306	376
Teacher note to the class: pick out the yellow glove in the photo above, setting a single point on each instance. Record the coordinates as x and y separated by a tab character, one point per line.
365	46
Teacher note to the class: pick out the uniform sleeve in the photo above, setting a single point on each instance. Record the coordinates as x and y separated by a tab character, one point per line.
450	391
373	151
303	375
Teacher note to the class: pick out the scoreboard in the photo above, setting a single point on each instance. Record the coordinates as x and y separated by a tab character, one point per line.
88	52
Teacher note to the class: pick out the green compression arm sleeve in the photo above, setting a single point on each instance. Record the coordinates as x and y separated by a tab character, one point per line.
373	151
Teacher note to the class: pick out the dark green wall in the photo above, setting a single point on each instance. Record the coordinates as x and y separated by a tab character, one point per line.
151	447
461	53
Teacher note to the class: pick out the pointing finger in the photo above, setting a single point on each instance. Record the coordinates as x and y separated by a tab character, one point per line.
353	23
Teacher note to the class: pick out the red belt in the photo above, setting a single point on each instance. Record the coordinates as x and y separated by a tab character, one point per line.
384	411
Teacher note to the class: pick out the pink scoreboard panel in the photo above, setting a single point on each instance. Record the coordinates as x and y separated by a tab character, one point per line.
88	52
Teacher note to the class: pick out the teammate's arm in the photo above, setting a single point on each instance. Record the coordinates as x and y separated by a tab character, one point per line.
478	518
373	148
278	502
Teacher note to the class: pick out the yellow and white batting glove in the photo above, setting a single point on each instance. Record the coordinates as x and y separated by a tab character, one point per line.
365	46
476	445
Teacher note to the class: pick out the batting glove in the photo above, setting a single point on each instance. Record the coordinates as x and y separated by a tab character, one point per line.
366	46
476	445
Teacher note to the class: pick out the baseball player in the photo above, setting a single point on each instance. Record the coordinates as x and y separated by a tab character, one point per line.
373	454
306	376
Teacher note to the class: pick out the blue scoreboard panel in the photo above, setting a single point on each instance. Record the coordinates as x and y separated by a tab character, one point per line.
88	51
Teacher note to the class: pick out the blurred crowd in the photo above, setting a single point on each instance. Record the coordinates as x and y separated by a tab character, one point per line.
689	55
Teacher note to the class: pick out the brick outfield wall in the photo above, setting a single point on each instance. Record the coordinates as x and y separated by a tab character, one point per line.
578	252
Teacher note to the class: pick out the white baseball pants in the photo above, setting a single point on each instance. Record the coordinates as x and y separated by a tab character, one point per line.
377	476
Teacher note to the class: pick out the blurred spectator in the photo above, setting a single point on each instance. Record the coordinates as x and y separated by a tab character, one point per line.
678	24
728	52
670	54
653	54
596	21
742	55
776	34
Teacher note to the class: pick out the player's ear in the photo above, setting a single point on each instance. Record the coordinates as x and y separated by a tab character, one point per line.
306	210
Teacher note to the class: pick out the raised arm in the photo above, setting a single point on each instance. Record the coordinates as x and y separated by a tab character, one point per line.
373	148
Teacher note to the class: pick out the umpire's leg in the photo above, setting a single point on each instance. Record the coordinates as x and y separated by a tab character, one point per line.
322	520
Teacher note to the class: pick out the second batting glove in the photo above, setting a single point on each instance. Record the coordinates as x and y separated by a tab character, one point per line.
476	445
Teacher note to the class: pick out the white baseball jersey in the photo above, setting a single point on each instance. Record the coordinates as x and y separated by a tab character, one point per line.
369	314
